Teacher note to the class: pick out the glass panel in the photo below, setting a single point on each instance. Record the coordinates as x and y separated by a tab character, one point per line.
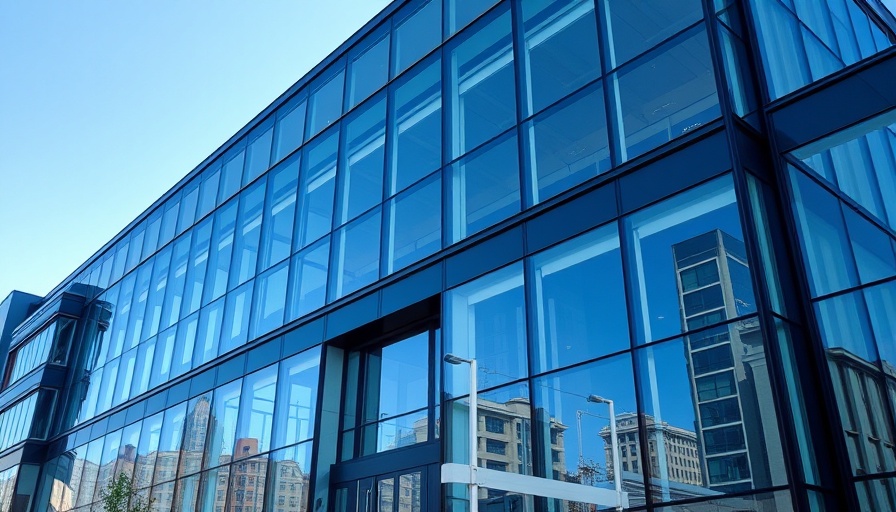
248	234
723	435
580	302
143	368
395	433
361	170
568	145
156	293
232	173
195	280
290	128
187	492
177	279
871	246
195	432
317	189
208	193
679	249
151	238
90	473
209	334
561	50
294	418
236	312
138	306
188	203
416	35
485	188
134	255
843	322
368	68
308	279
462	12
168	459
226	406
780	501
667	95
256	412
414	224
279	215
184	345
169	220
881	302
634	28
220	252
258	155
482	84
164	355
289	478
270	300
326	100
356	257
485	319
147	451
213	489
397	378
823	237
127	451
118	328
247	481
125	377
416	128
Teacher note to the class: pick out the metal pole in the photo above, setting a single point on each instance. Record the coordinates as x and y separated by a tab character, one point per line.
474	439
617	470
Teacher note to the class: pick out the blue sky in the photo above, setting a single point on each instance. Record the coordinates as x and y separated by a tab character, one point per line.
105	105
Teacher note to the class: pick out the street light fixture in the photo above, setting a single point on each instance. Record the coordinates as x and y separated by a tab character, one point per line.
614	446
473	424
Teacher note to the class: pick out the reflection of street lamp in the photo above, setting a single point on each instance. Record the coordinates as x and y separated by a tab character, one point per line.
614	445
474	455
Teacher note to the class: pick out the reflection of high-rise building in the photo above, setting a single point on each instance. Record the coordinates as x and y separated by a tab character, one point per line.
726	364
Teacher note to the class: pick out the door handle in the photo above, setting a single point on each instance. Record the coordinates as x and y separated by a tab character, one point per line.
367	502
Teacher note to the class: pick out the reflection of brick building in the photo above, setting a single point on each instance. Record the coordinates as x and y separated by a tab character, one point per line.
289	487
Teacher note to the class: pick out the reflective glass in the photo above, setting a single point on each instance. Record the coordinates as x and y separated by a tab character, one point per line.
232	173
184	345
462	12
187	492
326	99
247	234
414	224
163	357
130	440
667	94
134	254
168	459
169	220
118	328
711	438
561	50
190	199
279	214
780	501
270	300
220	252
416	126
225	407
363	153
195	280
177	279
138	306
356	255
580	301
484	188
871	246
147	450
236	314
208	193
209	333
256	412
125	377
90	471
416	35
881	301
686	254
368	68
289	131
397	378
297	398
289	478
825	245
156	293
316	189
258	154
844	323
485	319
396	432
106	393
482	83
635	27
111	445
213	489
121	255
143	368
567	145
247	480
308	279
151	238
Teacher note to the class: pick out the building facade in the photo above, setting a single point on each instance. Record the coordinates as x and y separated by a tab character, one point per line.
684	210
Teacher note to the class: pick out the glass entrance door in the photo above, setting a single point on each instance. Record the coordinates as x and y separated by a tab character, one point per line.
401	491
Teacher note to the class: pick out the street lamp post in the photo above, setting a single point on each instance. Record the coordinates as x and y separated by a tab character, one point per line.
614	446
473	424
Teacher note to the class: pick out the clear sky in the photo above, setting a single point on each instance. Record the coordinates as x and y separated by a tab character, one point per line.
105	104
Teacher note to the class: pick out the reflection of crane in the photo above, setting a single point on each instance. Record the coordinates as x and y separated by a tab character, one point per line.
588	471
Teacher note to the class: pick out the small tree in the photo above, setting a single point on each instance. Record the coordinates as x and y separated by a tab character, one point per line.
120	496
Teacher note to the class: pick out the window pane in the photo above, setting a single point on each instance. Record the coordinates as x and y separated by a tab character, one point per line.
184	345
670	241
308	279
294	420
163	357
257	412
151	239
147	451
220	252
567	145
170	443
247	234
635	27
177	278
368	68
326	100
709	429
226	407
462	12
270	300
279	215
136	244
485	188
415	224
138	306
397	378
317	188
232	173
288	478
394	433
871	246
667	95
187	214
236	312
209	335
561	50
416	35
356	257
258	156
143	369
199	255
482	84
290	128
485	319
208	193
361	171
580	302
843	322
158	284
416	129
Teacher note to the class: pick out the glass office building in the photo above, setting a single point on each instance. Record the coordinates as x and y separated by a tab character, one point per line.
664	232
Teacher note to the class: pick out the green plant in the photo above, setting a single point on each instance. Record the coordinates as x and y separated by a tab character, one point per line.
120	496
